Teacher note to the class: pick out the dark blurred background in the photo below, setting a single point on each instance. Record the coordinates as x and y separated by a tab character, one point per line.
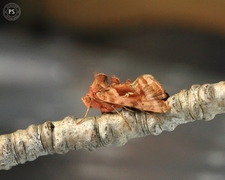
47	60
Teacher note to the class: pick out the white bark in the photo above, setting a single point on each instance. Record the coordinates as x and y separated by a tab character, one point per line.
198	103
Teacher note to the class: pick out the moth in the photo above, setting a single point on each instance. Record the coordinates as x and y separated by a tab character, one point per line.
145	94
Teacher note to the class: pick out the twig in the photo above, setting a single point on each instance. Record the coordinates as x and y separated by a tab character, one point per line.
198	103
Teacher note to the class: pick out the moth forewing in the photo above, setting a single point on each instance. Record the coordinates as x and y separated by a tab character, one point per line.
145	94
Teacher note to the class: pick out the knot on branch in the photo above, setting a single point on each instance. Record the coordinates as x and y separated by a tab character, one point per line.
194	104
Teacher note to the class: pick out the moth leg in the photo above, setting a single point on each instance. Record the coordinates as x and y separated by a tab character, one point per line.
128	109
122	117
85	115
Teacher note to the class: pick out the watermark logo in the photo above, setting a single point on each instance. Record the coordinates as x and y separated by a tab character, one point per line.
11	11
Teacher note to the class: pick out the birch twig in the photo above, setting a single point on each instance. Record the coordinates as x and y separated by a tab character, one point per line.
198	103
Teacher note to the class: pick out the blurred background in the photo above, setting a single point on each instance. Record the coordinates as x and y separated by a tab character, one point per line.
47	60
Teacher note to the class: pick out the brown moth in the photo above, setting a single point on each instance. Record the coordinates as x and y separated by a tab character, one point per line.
145	94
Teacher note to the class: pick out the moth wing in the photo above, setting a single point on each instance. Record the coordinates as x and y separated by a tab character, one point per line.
112	96
149	87
96	103
158	106
114	80
100	81
123	89
145	94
